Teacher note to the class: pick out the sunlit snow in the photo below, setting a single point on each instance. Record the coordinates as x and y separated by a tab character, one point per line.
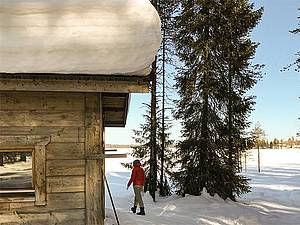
274	200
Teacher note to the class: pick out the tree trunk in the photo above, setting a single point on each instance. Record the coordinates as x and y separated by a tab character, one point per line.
1	159
230	139
153	153
258	159
161	188
245	161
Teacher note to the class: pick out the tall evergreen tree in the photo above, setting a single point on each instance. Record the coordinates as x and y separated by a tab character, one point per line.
297	61
214	45
153	133
142	149
166	11
238	76
158	148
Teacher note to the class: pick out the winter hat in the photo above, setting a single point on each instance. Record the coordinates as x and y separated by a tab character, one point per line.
136	162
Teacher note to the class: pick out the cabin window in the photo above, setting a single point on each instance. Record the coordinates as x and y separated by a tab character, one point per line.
19	179
16	173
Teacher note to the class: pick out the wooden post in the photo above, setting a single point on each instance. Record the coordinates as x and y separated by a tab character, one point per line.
40	173
258	159
245	161
94	182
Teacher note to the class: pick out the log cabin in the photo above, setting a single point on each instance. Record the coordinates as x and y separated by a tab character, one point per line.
67	68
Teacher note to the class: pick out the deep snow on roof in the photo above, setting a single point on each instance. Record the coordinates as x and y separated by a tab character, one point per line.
78	36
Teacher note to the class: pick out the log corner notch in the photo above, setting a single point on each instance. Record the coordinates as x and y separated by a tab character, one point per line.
74	83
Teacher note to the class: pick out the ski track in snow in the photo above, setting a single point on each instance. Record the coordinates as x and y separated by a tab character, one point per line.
274	200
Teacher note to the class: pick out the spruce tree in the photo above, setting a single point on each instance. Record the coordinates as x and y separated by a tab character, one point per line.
165	9
214	45
153	138
297	61
238	76
142	149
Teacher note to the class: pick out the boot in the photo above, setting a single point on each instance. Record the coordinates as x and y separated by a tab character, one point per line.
133	209
142	211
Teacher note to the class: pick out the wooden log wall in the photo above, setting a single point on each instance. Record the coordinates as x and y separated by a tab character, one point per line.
62	117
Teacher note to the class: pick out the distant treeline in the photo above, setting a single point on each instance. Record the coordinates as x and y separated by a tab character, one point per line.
280	143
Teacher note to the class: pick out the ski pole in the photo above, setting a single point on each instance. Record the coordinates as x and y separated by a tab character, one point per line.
111	200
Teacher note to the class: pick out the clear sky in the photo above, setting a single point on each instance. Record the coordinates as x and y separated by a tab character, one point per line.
277	105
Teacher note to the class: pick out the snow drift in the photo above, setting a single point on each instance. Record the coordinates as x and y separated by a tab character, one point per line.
76	36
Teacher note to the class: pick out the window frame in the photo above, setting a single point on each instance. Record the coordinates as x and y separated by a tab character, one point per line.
37	145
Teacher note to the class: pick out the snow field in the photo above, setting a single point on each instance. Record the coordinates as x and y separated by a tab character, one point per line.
274	200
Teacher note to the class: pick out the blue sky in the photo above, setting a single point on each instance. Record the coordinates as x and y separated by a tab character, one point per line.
277	105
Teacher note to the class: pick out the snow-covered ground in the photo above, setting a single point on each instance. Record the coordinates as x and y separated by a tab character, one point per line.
16	175
274	200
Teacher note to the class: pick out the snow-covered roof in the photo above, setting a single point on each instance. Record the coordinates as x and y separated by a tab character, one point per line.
78	36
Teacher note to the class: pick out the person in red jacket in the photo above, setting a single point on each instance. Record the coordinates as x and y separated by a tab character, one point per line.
138	180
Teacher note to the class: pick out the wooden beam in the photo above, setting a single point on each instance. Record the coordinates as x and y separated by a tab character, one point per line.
121	85
16	149
94	182
40	174
103	156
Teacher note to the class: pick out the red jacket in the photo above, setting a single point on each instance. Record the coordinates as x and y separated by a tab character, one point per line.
137	176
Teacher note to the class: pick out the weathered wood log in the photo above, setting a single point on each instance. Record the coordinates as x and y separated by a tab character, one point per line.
113	86
58	133
61	184
67	150
65	167
95	204
41	118
58	101
40	174
103	156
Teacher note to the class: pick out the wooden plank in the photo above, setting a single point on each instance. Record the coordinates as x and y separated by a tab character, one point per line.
50	101
65	217
114	101
4	206
41	118
113	116
103	156
65	184
74	85
57	201
8	218
58	134
65	167
65	151
14	198
95	204
36	219
40	174
18	148
70	217
22	141
20	205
